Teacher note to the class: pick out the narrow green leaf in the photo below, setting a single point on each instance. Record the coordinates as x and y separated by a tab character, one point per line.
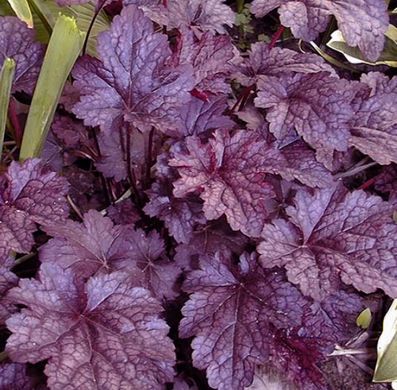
22	10
386	367
63	49
6	77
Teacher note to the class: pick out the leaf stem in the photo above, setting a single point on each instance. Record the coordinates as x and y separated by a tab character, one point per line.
126	146
149	152
355	170
276	36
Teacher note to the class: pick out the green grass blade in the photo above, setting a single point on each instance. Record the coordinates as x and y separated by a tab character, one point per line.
45	14
63	49
22	10
6	77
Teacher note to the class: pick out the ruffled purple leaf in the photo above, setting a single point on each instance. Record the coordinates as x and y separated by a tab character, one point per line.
296	355
180	216
229	172
263	61
232	313
198	15
98	246
123	213
13	376
207	240
200	117
29	194
386	182
113	159
296	359
334	236
131	82
362	22
211	58
7	280
105	333
301	164
374	125
17	41
317	106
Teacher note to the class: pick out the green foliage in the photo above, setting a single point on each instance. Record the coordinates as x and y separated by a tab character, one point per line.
63	49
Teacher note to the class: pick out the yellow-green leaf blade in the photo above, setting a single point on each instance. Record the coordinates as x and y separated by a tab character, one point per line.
6	76
46	12
386	365
63	49
354	56
364	319
22	10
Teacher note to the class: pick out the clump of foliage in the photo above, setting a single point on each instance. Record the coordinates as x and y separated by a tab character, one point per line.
201	209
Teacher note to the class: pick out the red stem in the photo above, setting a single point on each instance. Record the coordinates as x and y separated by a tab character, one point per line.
202	95
368	183
242	99
276	36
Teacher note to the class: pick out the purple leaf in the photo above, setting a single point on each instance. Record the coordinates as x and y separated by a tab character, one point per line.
13	376
152	269
123	213
229	173
71	133
106	333
17	41
232	312
386	182
86	248
297	354
198	15
362	22
29	194
334	236
113	159
317	106
211	58
198	117
263	61
7	280
206	241
98	246
303	166
296	359
180	216
374	125
131	83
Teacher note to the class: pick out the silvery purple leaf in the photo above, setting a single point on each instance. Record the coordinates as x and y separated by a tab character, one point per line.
334	236
131	82
18	42
93	334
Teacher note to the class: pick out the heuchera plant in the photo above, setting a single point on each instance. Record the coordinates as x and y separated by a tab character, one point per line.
201	216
